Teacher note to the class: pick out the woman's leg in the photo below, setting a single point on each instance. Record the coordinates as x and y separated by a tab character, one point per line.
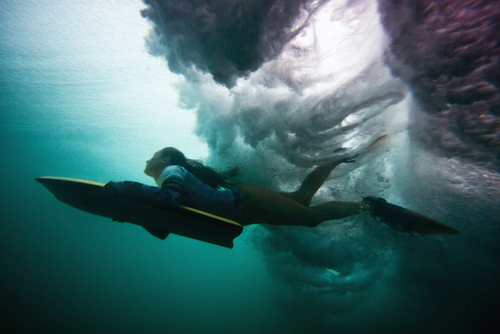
265	206
319	175
312	183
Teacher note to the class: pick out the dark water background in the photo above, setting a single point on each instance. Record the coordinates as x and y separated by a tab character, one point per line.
278	87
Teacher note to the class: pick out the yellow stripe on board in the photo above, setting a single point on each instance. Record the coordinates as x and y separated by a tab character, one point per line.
72	180
209	214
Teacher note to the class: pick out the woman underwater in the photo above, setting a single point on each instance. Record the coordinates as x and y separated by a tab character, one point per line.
188	182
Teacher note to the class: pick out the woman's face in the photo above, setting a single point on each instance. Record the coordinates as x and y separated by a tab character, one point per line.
156	164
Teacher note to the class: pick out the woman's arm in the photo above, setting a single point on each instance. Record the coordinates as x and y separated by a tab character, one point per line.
166	197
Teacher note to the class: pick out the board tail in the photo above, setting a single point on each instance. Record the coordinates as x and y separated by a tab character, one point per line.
161	233
408	221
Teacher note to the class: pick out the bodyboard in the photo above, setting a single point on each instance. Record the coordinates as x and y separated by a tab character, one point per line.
185	221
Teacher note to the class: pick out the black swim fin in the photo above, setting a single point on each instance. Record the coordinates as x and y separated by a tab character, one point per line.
403	219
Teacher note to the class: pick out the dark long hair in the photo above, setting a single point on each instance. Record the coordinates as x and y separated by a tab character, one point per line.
205	174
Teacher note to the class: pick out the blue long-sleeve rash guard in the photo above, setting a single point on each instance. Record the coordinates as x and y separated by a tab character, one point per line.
167	196
178	186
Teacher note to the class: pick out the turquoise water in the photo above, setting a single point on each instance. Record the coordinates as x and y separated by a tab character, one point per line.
81	97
